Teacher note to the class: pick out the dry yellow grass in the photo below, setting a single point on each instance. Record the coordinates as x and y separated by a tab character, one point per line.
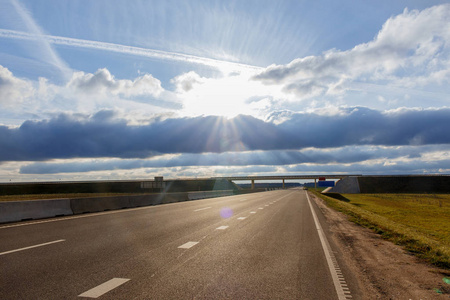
419	222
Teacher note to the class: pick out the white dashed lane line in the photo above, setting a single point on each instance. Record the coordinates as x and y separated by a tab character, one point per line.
253	212
31	247
188	245
242	218
222	227
202	208
104	288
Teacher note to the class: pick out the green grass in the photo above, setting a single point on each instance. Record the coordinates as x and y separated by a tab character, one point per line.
419	222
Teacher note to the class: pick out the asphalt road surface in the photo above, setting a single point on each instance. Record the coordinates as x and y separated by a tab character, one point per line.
270	245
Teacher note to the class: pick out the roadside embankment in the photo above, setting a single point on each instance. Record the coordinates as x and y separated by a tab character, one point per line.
417	222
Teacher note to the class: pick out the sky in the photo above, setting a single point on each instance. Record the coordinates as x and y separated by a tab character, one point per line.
125	90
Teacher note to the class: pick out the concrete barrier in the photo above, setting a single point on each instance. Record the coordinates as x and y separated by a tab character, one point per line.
145	200
97	204
13	211
196	195
175	197
209	194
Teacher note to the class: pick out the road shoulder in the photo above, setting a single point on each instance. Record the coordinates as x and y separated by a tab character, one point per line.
384	270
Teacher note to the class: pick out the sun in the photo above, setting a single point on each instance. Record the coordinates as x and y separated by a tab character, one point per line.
226	96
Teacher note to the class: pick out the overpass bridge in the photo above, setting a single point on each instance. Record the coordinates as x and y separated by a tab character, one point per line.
287	177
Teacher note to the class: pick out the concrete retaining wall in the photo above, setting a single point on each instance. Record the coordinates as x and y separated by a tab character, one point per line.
347	185
12	211
422	184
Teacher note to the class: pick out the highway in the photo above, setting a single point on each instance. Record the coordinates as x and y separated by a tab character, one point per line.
268	245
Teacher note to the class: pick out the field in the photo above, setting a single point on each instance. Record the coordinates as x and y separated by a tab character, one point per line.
419	222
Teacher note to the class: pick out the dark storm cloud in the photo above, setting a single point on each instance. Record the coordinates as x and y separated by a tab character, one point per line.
344	155
102	135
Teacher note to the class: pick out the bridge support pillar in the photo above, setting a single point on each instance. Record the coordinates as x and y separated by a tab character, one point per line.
283	184
315	183
253	184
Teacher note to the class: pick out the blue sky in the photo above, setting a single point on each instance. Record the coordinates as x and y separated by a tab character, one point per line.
136	89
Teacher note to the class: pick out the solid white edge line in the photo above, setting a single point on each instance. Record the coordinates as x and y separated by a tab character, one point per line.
31	247
326	249
104	288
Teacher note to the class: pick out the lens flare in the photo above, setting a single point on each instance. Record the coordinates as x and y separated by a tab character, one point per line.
226	212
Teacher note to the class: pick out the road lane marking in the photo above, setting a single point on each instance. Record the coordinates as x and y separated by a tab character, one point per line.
253	212
338	278
242	218
222	227
260	208
203	208
30	247
104	288
188	245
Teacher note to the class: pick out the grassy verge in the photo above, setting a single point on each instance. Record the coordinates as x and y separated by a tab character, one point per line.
420	223
58	196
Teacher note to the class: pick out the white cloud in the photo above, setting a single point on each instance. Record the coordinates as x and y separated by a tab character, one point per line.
103	83
412	47
13	90
140	99
186	82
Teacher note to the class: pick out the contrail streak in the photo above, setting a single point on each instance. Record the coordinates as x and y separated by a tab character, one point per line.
137	51
33	27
